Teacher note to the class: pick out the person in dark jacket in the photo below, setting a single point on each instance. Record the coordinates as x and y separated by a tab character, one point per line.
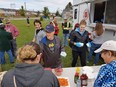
29	73
28	21
52	48
5	38
71	33
80	41
66	27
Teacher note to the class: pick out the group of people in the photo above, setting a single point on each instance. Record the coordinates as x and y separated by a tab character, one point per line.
80	40
8	35
50	43
46	51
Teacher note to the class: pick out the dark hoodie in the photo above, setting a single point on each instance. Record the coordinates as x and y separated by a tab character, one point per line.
52	60
30	75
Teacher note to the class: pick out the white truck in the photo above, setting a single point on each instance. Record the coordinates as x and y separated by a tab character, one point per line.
96	11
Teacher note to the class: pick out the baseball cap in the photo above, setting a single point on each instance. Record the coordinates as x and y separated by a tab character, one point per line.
7	21
50	28
108	45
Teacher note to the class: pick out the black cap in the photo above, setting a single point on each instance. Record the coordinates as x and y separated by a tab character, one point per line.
50	28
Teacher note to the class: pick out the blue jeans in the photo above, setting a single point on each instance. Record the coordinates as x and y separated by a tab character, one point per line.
2	58
66	36
92	49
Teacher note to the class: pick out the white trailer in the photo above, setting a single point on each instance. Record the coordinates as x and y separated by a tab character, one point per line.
96	10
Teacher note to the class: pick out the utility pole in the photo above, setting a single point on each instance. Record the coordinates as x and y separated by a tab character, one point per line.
25	5
25	8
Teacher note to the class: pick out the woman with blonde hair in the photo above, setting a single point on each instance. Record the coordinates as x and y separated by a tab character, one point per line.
97	40
29	73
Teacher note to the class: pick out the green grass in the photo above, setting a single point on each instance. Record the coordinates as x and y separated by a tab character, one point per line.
26	35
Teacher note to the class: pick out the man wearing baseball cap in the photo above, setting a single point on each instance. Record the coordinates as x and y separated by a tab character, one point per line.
52	48
107	73
15	32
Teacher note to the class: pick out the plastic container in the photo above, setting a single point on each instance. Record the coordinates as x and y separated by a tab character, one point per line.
84	80
78	83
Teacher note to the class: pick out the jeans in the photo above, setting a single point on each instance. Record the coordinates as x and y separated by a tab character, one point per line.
92	49
2	58
66	36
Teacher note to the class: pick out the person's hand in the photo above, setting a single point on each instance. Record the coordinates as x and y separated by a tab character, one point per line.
63	54
8	30
33	40
88	44
14	37
79	44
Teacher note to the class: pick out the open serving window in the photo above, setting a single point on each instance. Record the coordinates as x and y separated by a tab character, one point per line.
105	12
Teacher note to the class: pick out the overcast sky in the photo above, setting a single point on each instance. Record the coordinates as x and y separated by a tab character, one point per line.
35	5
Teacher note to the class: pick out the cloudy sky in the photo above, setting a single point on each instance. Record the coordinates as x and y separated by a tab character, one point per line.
35	5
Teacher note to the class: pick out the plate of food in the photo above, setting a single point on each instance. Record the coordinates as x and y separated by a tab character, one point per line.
64	81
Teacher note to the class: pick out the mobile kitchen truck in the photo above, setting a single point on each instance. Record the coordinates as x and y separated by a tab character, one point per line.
97	10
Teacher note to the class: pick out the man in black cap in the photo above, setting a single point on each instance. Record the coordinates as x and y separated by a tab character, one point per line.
52	48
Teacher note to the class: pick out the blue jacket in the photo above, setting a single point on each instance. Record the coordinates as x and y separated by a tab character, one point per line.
107	75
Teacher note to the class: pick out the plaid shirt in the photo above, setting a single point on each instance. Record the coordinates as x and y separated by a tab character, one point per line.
107	76
12	29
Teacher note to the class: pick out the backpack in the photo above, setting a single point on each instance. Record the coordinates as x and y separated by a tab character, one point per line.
1	76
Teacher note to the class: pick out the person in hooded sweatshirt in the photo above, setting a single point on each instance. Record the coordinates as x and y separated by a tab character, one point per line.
28	72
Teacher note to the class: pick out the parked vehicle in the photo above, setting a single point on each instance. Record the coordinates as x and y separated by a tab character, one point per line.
96	11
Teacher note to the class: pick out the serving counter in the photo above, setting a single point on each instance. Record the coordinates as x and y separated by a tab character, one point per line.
70	73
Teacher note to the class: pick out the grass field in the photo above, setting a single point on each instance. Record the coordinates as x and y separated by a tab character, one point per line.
26	35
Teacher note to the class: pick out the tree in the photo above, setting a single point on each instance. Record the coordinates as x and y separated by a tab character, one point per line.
22	11
46	12
57	13
38	13
41	18
69	6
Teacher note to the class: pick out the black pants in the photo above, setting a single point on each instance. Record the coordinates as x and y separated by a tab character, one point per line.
82	55
13	47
